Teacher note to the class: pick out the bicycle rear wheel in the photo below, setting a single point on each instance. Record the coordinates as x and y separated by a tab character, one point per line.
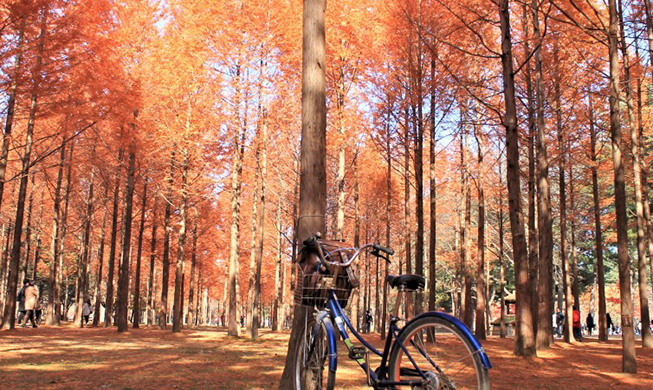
441	351
311	370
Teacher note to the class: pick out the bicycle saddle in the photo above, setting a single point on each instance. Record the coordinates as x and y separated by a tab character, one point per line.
408	282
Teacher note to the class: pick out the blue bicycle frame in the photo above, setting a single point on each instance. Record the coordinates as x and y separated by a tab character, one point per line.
335	311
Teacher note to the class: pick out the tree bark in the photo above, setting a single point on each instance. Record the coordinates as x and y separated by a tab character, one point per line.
261	239
98	279
139	251
122	302
480	278
178	315
502	270
312	199
54	300
629	363
432	195
642	275
108	303
252	263
151	307
544	334
532	130
165	273
524	337
566	283
82	283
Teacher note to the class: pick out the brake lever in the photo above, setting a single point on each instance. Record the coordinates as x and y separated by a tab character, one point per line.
377	253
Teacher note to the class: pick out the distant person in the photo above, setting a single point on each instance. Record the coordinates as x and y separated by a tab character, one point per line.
31	303
368	320
590	323
578	334
609	323
242	321
86	312
560	320
21	301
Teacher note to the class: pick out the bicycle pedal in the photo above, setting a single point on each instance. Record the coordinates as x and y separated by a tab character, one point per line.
357	353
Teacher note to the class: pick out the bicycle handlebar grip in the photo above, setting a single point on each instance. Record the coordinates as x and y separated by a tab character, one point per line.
383	249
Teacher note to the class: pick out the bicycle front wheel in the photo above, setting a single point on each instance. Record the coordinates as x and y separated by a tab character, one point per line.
441	352
311	367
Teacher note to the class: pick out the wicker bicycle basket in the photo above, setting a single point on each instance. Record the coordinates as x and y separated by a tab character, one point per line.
314	282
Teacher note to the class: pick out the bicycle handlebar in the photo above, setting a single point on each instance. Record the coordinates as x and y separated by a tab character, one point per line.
383	249
314	240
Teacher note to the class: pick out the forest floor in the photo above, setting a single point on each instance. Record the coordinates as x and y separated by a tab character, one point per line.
71	358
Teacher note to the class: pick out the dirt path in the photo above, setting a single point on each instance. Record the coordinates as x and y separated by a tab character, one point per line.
68	357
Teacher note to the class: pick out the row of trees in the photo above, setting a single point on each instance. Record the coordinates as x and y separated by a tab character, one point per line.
177	124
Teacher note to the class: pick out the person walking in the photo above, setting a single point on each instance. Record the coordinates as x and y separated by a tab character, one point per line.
560	320
609	322
589	321
578	334
21	302
31	303
86	312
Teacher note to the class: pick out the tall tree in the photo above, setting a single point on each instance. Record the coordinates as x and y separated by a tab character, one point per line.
629	362
139	250
312	199
122	303
524	337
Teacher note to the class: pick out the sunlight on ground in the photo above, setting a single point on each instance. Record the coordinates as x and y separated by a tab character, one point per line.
69	357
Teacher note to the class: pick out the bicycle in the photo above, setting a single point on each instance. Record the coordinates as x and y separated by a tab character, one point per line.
433	350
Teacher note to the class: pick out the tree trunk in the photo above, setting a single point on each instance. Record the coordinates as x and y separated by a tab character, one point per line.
629	363
139	251
37	251
236	182
98	279
524	337
502	271
532	129
261	239
645	199
480	278
151	280
566	284
64	227
82	283
642	275
28	233
122	302
165	273
544	334
468	312
432	195
108	303
193	277
179	277
312	199
9	314
54	298
252	263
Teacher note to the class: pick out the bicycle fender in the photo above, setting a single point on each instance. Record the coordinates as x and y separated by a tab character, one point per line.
332	339
464	330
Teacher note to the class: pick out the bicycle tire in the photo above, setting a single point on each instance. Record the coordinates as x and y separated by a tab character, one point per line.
312	378
453	342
